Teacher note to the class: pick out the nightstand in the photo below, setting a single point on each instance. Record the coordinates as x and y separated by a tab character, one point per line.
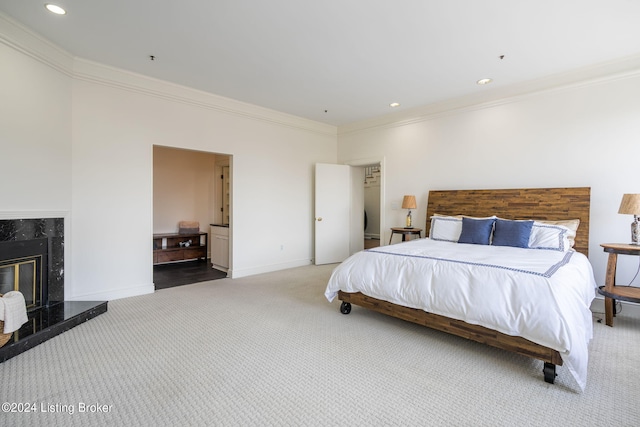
610	291
405	232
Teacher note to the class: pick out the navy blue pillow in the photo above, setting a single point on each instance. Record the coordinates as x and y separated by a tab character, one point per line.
512	233
476	231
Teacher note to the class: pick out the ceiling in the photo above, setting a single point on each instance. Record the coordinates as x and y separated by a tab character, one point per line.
340	61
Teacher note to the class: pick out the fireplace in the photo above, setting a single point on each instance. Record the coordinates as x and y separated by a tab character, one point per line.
32	260
24	268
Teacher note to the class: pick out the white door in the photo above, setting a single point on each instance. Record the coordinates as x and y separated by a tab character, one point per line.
332	213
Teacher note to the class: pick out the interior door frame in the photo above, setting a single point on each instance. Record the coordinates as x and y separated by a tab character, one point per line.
231	186
383	169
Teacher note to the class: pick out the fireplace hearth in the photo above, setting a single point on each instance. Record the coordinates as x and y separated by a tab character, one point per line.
32	262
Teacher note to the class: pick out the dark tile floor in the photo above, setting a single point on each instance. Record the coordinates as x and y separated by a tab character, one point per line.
184	273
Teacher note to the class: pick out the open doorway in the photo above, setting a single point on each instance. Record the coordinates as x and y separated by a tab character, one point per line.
339	190
372	178
191	187
371	188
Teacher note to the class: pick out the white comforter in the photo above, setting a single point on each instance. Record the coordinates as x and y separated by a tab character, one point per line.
541	295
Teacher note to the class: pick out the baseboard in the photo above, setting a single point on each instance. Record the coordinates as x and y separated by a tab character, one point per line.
112	294
597	306
237	273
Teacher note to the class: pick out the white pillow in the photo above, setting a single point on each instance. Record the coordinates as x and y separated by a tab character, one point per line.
550	237
447	228
571	224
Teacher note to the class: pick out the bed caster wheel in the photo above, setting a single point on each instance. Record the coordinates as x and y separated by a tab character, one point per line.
549	371
345	307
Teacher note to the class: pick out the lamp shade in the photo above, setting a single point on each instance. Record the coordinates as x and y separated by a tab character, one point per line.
409	202
630	204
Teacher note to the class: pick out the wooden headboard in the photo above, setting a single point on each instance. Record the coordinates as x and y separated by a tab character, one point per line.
550	204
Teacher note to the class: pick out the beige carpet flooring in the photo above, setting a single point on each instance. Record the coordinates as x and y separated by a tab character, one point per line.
270	350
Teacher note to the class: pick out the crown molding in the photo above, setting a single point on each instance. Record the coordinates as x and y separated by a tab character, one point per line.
93	72
624	68
24	40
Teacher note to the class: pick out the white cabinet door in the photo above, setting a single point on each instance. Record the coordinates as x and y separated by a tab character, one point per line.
220	256
220	247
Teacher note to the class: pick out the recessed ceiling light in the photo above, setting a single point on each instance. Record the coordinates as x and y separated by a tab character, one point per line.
55	9
394	104
484	81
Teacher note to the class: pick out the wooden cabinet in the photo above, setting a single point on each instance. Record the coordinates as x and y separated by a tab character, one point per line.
179	247
220	247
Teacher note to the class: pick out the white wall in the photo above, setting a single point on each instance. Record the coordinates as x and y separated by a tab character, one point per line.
114	131
85	133
582	135
79	137
35	134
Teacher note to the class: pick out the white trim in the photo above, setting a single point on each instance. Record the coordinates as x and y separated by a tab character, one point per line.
620	69
112	294
93	72
22	39
33	214
628	308
235	274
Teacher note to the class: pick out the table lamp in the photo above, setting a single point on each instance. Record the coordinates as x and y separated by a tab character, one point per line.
630	205
409	202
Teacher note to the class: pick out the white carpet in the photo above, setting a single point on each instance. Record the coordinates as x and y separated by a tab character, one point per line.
270	350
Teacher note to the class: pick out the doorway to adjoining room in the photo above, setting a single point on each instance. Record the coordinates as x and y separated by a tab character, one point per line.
190	189
372	178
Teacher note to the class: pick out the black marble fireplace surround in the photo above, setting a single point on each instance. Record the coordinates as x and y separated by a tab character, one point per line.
18	236
54	315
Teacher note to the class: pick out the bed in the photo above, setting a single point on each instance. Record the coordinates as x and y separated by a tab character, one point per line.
534	302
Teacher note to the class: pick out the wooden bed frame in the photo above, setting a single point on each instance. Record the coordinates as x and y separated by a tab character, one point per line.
532	203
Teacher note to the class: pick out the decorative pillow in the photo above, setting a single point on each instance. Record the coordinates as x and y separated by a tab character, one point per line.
476	231
512	233
551	237
445	228
572	226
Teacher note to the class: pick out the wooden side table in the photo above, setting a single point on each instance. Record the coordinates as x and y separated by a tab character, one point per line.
405	232
610	291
